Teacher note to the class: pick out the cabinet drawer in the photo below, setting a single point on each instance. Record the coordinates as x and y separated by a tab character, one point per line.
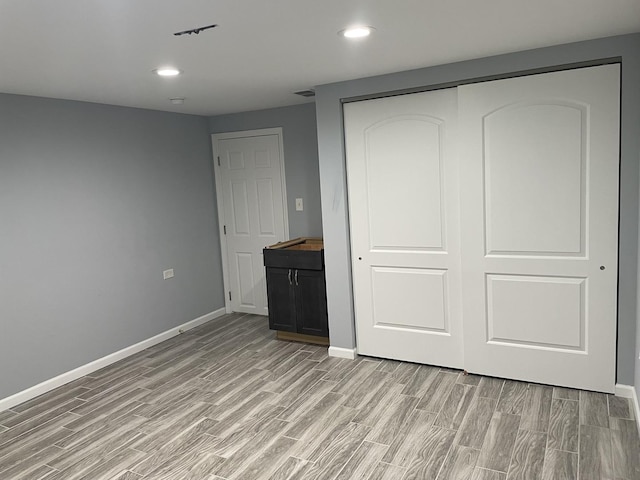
300	259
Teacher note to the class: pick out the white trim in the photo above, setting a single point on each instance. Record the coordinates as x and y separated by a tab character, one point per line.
215	138
628	391
340	352
624	391
221	220
260	132
83	370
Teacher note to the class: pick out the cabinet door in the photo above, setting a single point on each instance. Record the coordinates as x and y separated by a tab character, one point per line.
311	302
280	294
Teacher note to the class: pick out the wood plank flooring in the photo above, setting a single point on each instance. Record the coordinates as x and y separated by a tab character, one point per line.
229	401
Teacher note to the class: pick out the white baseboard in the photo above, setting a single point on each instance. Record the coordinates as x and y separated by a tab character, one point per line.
628	391
47	385
340	352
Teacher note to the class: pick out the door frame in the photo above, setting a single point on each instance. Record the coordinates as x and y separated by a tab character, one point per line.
215	138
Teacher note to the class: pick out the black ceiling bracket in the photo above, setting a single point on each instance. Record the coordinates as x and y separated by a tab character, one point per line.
195	30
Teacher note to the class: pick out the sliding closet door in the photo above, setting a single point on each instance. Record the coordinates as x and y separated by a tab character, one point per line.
539	197
403	201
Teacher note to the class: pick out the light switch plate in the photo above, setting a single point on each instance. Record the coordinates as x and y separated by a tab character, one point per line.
167	274
299	205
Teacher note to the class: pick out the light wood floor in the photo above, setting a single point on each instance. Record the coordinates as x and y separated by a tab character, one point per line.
228	401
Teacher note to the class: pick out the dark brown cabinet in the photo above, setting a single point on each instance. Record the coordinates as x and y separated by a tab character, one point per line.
296	288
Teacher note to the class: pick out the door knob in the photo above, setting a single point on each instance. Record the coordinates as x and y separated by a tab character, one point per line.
602	267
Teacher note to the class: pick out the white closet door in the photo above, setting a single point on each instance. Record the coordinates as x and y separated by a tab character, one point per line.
539	196
403	200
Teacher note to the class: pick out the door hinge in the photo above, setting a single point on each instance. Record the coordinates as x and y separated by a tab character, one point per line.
225	229
229	294
218	160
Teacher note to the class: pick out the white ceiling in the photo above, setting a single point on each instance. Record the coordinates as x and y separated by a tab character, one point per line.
263	50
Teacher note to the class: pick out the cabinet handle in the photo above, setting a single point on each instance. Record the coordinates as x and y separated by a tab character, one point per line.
296	277
289	275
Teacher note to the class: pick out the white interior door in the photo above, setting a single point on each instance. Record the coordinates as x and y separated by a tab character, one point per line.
251	177
539	197
403	201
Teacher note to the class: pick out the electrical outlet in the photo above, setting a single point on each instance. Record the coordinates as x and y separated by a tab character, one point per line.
167	274
299	206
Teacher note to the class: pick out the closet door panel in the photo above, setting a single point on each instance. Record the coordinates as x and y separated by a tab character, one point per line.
404	202
535	204
539	162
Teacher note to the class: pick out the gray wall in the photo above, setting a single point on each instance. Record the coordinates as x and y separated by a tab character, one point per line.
333	177
95	202
300	157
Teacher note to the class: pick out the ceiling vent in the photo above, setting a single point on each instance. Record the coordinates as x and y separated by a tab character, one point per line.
306	93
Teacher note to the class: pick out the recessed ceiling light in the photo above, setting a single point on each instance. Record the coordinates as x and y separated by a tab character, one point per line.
167	72
356	32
